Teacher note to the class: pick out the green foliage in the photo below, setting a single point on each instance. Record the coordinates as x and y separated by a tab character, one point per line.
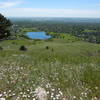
91	77
72	68
1	48
63	65
64	36
87	31
28	30
4	25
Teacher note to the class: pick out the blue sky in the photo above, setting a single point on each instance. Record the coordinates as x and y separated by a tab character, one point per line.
50	8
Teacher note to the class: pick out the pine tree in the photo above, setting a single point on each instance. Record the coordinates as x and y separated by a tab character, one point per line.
4	27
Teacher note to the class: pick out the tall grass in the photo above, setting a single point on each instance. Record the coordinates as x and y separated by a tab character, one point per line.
70	72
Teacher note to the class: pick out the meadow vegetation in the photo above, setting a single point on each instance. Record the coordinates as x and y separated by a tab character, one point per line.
66	70
63	67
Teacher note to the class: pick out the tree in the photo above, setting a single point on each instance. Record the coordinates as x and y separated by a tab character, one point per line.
4	27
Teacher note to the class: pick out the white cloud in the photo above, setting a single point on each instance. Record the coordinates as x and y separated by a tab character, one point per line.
8	4
26	12
53	12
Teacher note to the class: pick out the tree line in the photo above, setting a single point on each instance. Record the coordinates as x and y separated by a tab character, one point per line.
85	30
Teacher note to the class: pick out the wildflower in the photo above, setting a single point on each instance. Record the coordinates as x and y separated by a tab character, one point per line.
85	94
2	99
51	96
4	92
18	98
96	88
47	92
74	97
48	85
24	95
13	94
21	93
57	96
60	93
28	96
28	90
9	91
52	89
81	98
0	95
54	98
95	98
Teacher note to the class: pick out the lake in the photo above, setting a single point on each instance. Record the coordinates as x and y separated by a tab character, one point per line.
38	35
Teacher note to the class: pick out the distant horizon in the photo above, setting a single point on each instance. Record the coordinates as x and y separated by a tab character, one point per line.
50	17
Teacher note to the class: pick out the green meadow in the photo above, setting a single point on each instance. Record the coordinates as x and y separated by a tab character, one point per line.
67	70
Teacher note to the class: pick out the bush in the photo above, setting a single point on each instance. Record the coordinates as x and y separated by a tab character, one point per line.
1	48
47	47
14	43
23	48
52	49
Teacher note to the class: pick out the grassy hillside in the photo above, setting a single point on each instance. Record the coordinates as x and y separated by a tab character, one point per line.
67	70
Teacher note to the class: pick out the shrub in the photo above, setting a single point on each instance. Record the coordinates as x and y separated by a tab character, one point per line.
52	49
14	43
23	48
47	47
1	48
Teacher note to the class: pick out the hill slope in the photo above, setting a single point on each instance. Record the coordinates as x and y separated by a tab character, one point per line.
66	70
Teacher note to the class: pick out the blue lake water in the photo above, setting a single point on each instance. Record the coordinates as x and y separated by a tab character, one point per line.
38	35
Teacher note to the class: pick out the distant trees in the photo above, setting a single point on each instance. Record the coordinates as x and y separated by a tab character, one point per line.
85	30
4	27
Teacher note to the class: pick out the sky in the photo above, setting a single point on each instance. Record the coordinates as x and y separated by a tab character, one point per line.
50	8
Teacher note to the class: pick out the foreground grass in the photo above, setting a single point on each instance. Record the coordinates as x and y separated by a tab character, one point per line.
67	71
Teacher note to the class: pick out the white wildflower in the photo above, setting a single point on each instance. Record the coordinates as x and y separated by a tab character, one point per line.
54	98
52	89
74	97
2	99
51	96
96	88
47	92
0	95
95	98
60	93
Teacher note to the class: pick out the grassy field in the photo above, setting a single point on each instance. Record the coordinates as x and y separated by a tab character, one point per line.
66	70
